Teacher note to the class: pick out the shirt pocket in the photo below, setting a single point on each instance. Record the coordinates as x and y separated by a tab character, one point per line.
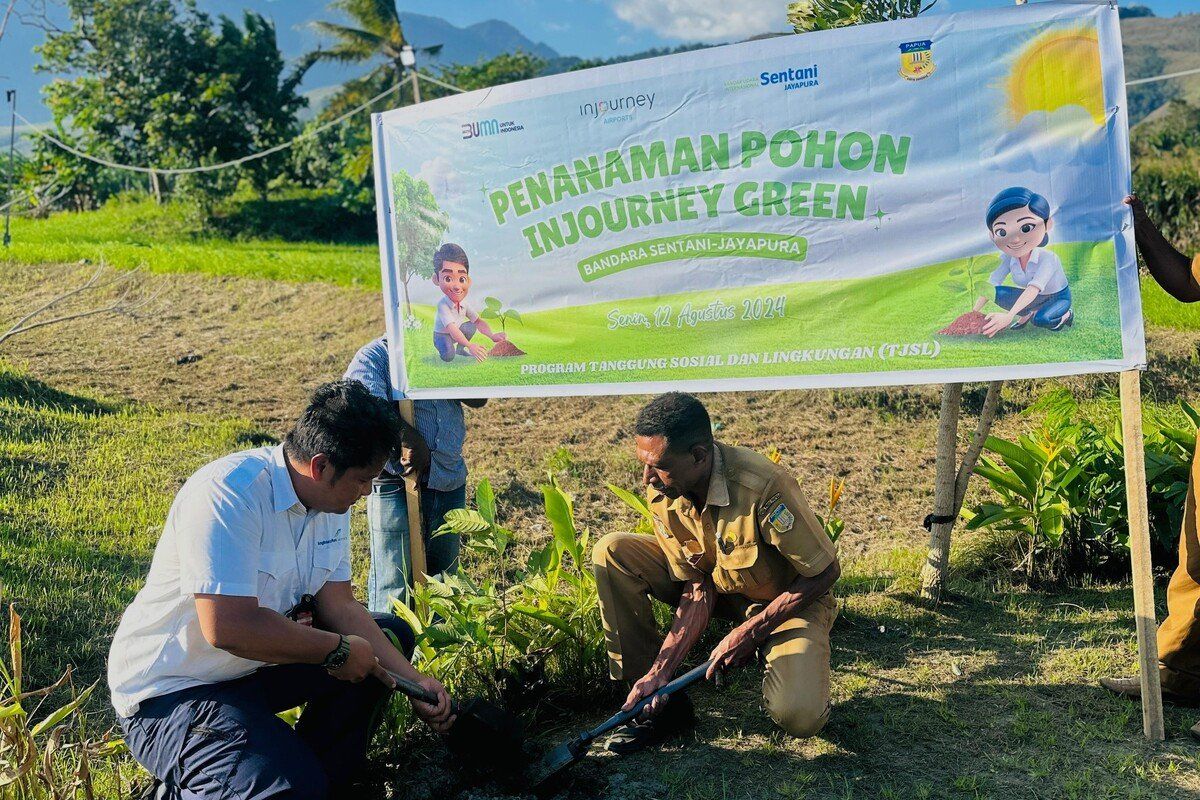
742	566
277	580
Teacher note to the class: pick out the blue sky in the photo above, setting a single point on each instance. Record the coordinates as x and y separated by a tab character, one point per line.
587	28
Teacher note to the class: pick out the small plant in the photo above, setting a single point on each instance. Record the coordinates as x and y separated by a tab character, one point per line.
494	309
638	504
967	280
831	522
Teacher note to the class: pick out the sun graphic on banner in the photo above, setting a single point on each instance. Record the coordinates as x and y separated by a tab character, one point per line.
1056	69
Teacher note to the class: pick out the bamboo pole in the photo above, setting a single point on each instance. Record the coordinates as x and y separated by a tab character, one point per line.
412	490
1139	548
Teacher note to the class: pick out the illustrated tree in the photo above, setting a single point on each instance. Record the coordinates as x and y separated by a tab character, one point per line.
419	225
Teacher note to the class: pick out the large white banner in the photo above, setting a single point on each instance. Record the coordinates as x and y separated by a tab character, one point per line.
921	201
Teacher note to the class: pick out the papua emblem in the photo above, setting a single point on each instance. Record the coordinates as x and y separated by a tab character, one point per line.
916	60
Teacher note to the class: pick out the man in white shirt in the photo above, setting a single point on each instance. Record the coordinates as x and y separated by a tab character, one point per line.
248	611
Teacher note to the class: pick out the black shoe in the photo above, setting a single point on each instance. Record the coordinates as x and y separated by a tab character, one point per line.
677	718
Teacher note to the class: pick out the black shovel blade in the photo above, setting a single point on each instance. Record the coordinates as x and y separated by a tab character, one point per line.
554	763
488	737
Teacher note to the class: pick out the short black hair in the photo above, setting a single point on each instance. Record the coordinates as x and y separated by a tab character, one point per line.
450	252
348	424
679	418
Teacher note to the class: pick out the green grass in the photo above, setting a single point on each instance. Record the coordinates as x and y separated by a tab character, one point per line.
140	235
898	308
991	694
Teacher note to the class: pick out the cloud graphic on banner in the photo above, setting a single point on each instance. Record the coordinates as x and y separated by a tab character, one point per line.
703	20
1043	140
441	176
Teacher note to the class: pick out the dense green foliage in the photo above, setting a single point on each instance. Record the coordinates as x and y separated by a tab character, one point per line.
160	84
1060	493
1166	153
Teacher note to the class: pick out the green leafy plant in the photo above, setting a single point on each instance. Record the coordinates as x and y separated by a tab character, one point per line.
967	280
467	629
1061	492
819	15
830	521
638	504
494	309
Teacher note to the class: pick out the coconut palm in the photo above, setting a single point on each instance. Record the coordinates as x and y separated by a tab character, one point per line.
376	32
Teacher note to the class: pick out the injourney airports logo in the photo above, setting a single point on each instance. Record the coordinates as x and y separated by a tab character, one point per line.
613	106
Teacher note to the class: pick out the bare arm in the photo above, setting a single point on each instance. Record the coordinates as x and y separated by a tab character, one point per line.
1169	267
691	618
744	640
239	626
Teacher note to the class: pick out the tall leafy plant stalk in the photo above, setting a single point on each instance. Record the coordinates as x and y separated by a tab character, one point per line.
53	757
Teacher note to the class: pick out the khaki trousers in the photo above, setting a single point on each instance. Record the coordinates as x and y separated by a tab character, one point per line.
1179	634
632	568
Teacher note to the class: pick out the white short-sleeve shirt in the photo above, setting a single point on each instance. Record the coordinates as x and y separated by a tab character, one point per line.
235	528
1044	270
450	314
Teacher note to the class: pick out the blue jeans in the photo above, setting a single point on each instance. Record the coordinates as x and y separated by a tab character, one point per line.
446	346
1049	309
387	518
222	740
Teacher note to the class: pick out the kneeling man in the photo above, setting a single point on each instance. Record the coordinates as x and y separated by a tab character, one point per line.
248	611
732	536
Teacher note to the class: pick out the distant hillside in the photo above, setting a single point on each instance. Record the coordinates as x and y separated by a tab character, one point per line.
1170	44
467	45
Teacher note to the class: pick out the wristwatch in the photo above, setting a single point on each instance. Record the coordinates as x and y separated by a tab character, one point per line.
337	656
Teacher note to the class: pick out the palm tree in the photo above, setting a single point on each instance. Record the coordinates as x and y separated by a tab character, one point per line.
378	34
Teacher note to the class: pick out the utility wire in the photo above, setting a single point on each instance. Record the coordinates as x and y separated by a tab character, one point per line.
338	121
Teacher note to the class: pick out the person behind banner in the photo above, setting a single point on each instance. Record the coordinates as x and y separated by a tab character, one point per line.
248	611
456	322
1179	634
734	538
1020	223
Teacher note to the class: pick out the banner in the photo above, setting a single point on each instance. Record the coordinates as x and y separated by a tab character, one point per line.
921	201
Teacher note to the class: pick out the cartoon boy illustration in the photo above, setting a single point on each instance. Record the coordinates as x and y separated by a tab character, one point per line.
456	322
1020	224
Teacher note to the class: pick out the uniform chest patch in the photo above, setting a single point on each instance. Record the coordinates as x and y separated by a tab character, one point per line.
781	518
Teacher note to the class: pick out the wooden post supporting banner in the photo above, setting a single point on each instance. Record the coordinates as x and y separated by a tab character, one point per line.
416	532
1139	550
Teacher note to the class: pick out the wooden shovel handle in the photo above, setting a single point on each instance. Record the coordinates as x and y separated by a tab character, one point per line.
416	534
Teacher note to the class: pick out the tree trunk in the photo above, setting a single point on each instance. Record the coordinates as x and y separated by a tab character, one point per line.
407	301
156	187
951	484
933	574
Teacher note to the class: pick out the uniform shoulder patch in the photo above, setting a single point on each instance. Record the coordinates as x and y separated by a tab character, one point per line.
781	518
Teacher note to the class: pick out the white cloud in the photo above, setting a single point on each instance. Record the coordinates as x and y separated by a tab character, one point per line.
704	20
441	176
1044	140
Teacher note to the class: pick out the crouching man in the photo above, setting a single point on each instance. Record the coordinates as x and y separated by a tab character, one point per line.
732	536
248	611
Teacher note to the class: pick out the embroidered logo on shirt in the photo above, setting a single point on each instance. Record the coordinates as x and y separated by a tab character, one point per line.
337	537
781	519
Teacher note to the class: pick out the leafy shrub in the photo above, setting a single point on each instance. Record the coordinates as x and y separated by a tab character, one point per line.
1061	494
468	631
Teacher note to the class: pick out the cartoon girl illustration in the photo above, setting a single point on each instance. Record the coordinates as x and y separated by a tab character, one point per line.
1020	224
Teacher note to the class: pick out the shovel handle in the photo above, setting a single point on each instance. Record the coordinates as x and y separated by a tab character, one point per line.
682	682
413	689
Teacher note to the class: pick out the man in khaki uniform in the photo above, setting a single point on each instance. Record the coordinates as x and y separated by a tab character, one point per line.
1179	634
733	536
